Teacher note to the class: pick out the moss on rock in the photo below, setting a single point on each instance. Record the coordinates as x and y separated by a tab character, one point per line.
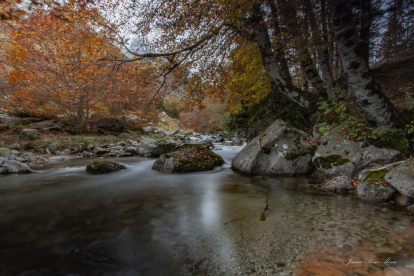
191	158
99	167
329	161
395	142
376	176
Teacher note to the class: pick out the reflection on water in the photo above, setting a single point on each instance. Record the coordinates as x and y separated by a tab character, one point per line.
63	221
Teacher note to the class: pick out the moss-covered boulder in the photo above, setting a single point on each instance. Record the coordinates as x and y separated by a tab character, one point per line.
99	167
336	156
280	150
375	188
188	158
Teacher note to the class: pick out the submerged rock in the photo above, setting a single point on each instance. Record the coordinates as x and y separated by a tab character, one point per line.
188	158
89	256
280	150
99	167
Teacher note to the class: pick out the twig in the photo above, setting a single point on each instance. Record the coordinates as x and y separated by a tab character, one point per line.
266	206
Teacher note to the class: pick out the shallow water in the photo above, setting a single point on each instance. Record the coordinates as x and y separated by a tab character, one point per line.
142	222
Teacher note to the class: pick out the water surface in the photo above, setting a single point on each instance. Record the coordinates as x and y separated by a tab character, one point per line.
142	222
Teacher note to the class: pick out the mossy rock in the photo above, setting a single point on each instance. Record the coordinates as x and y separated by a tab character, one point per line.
375	177
329	161
99	167
188	158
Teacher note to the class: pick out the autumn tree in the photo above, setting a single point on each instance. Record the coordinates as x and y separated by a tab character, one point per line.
58	64
200	35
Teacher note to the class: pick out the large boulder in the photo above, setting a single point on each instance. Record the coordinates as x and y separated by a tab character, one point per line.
5	152
280	150
48	125
29	134
337	156
402	179
188	158
154	147
99	167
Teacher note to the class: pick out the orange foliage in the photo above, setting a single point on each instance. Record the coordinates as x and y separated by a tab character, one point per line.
211	116
61	65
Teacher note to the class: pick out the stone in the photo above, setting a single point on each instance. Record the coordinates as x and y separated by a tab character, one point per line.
15	152
132	150
14	147
124	136
48	151
87	154
5	152
125	154
55	146
14	166
90	147
402	179
338	183
67	151
48	125
152	147
29	134
337	156
3	170
99	167
188	158
374	192
122	144
281	150
100	151
29	157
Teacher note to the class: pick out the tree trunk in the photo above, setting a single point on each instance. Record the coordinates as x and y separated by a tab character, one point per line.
270	64
363	89
364	35
280	53
323	53
289	13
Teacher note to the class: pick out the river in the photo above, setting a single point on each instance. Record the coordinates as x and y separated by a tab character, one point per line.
63	221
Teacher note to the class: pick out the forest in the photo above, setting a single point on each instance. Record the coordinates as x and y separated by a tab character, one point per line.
206	137
75	60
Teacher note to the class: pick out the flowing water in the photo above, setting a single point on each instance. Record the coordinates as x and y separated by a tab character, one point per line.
63	221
